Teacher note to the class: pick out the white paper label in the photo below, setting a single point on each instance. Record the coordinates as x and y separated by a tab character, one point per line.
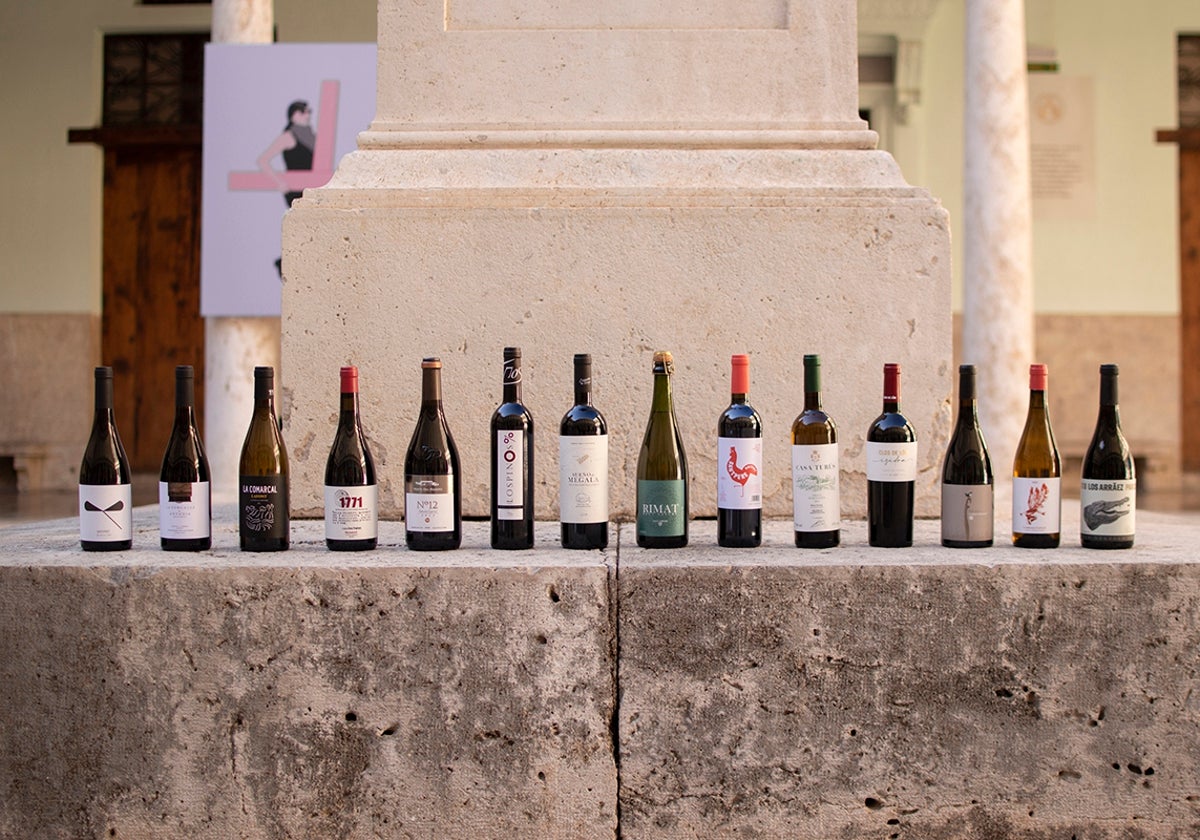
583	478
1037	506
184	510
739	473
892	461
1107	508
816	502
351	513
429	503
510	474
105	512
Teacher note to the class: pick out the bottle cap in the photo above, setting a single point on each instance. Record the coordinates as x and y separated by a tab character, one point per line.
104	373
662	357
431	363
891	382
741	374
1109	370
1038	375
264	372
512	352
349	379
184	372
583	358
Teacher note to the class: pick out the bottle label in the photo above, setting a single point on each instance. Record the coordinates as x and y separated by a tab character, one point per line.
583	478
892	461
105	512
816	504
429	503
739	480
968	514
510	473
352	513
263	506
1107	508
184	510
1037	505
660	508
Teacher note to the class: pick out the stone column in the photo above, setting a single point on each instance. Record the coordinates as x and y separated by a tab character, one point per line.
615	178
997	225
233	346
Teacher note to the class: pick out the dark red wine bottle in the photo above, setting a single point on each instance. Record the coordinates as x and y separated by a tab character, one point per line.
1108	489
105	491
432	477
583	467
512	462
739	465
891	470
184	483
968	514
351	493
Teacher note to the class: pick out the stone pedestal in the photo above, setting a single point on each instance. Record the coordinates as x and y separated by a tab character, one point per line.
615	180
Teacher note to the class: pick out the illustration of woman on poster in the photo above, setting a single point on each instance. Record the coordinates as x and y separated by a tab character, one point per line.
296	143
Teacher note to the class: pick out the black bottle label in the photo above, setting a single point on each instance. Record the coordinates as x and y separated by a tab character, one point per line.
263	506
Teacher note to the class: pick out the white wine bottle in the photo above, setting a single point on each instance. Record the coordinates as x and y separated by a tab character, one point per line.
1037	473
263	515
662	473
816	500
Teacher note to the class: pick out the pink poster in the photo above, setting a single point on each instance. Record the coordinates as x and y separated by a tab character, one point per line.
277	119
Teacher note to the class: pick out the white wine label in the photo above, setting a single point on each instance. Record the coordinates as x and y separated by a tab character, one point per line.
660	508
510	474
739	473
816	502
184	510
1107	508
352	513
263	504
429	503
105	512
1037	506
968	514
583	478
891	461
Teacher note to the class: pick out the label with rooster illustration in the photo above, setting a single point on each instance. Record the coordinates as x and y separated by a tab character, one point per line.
1037	506
263	504
815	502
105	512
892	461
967	512
583	478
739	473
1107	507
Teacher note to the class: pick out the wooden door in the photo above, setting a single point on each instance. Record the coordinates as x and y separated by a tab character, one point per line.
151	278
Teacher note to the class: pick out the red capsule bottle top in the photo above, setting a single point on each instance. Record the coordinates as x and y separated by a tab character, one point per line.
350	380
741	374
1038	374
891	382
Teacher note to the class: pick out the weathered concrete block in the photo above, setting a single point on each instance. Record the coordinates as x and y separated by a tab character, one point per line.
874	693
304	694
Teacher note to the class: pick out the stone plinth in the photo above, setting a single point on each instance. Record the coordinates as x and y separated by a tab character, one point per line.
303	694
931	693
615	178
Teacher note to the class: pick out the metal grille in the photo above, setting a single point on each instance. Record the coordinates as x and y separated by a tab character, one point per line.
1189	81
154	79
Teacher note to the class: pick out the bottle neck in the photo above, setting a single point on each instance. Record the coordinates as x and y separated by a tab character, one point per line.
431	388
1037	400
264	396
185	399
812	387
104	398
349	408
968	410
662	391
583	384
512	380
891	390
737	399
1108	392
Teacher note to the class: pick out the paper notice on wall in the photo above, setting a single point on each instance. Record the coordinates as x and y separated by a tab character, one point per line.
1062	146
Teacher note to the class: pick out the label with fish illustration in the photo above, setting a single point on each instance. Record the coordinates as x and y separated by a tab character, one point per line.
1106	507
739	473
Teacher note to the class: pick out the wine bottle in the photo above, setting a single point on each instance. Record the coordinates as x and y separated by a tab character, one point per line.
512	462
105	491
432	480
583	467
1108	490
739	465
351	493
891	470
184	483
1037	473
662	476
263	515
968	512
816	502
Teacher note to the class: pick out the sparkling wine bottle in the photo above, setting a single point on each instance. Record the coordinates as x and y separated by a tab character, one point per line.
105	490
739	465
512	462
184	483
662	476
351	493
1037	473
263	515
583	467
432	479
968	514
891	470
1108	489
816	503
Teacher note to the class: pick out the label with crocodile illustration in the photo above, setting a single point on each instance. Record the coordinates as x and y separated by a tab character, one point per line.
1107	507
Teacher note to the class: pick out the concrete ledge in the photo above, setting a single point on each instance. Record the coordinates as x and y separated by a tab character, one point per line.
856	692
303	694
